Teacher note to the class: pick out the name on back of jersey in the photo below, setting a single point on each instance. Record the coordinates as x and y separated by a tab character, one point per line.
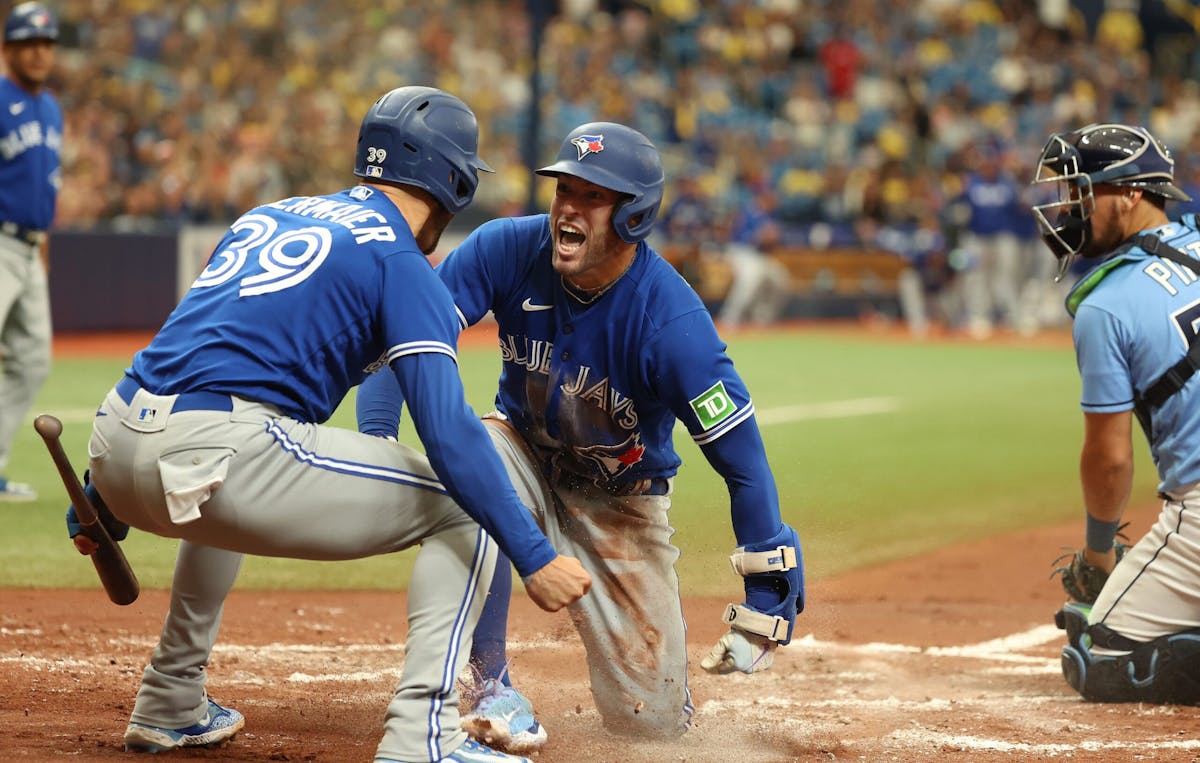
353	217
1169	274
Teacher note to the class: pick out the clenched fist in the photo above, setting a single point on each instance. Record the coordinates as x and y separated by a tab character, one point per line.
561	582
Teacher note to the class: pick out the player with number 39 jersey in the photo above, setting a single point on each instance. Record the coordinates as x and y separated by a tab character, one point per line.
215	434
334	256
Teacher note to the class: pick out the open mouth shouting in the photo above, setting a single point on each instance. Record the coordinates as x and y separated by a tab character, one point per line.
570	238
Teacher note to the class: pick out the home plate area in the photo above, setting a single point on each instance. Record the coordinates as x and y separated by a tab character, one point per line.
949	655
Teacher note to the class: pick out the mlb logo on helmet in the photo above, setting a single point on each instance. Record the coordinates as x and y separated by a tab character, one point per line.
588	144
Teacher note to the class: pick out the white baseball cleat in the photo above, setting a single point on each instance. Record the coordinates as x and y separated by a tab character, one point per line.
218	725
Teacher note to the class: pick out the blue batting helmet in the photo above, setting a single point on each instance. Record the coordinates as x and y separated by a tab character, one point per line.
30	21
621	159
424	137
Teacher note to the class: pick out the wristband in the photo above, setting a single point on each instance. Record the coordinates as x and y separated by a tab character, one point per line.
1100	534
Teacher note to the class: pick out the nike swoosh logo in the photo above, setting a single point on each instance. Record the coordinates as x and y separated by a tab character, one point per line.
529	307
16	108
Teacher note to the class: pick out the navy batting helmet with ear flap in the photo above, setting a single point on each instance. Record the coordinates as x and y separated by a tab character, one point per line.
423	137
621	159
30	21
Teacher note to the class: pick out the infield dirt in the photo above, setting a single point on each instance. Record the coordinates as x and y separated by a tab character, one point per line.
951	655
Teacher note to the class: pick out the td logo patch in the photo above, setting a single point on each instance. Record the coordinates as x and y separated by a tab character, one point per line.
713	405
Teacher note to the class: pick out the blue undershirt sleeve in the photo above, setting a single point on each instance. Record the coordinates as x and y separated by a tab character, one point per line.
740	458
378	403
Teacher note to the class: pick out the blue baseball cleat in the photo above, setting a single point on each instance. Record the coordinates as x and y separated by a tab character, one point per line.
218	725
502	717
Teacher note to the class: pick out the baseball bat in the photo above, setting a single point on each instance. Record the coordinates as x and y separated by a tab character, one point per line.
111	565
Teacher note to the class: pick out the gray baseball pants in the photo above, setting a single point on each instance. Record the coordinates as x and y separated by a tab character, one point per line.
251	481
631	622
24	335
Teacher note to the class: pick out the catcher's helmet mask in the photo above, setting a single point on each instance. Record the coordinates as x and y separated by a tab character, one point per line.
422	137
621	159
1077	161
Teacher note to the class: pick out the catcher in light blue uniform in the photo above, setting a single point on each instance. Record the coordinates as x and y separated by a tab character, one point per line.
31	128
1136	317
214	434
604	347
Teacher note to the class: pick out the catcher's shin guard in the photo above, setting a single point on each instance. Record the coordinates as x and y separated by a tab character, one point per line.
1163	671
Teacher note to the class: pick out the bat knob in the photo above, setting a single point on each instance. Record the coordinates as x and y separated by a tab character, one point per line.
48	426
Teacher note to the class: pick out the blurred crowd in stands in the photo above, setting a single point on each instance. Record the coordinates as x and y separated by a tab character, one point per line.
910	126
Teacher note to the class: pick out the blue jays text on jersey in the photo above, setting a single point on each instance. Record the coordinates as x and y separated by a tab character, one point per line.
30	146
1135	316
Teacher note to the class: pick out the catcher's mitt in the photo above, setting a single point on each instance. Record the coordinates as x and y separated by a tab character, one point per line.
1080	580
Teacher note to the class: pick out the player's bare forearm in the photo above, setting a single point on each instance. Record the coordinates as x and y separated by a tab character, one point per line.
1106	464
1106	475
561	582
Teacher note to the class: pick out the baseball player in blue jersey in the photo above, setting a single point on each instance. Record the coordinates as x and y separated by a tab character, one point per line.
214	433
604	346
996	217
1136	314
31	128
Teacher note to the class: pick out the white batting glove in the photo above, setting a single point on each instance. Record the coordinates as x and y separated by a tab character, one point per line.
738	650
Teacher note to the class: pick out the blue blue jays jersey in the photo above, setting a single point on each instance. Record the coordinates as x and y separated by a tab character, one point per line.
996	206
597	387
31	129
1135	315
300	300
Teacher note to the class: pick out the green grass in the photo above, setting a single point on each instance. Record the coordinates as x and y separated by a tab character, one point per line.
983	439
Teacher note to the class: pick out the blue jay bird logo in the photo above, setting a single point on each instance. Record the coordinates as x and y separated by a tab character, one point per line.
588	144
40	19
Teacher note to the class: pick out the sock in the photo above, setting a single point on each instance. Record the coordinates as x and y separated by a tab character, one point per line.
488	650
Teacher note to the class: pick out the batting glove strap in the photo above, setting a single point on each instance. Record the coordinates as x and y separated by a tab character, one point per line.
774	627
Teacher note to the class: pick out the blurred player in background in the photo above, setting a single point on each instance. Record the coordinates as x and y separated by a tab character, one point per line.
31	128
214	434
604	346
761	284
1136	312
996	216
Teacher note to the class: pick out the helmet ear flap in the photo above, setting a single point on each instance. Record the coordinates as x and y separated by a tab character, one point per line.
633	221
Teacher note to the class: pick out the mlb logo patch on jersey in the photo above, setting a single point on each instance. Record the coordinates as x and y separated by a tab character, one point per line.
588	144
